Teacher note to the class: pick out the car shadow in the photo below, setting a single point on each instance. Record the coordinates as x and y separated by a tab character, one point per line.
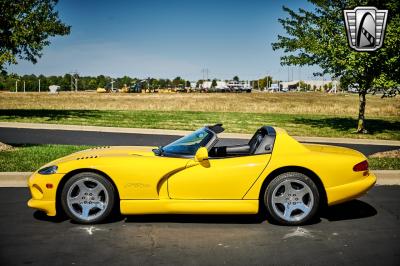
351	210
41	216
355	209
196	218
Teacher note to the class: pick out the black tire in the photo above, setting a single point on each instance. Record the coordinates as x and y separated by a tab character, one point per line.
309	202
89	177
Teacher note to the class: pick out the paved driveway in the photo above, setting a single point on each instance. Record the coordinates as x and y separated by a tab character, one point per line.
361	232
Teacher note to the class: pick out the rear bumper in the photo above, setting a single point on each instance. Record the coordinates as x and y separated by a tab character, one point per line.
351	190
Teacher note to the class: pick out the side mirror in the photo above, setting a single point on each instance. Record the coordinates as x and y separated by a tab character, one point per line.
201	155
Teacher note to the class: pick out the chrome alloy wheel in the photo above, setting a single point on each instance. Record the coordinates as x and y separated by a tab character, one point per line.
292	200
87	199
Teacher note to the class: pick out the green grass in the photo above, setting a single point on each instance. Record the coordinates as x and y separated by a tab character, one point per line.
30	157
384	163
295	124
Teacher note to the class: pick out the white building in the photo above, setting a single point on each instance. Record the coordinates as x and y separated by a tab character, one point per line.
54	88
228	85
289	85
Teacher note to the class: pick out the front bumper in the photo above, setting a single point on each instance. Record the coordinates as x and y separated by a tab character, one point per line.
351	190
43	190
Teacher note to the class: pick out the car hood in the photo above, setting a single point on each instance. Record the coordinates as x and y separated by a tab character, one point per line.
106	151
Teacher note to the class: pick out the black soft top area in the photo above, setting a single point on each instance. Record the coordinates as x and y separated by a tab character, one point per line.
262	142
217	128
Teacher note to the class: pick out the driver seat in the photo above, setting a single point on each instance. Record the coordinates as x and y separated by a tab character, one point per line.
239	150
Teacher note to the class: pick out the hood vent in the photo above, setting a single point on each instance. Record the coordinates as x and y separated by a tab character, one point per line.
87	157
101	148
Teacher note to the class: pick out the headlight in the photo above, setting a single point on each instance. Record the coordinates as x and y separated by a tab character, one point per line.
48	170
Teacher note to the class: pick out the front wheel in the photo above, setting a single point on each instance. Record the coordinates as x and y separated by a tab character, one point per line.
291	199
88	198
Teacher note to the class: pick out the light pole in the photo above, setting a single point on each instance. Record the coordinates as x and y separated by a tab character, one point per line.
76	84
39	85
24	85
16	85
112	85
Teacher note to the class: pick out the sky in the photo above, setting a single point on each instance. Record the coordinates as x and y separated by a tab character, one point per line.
168	38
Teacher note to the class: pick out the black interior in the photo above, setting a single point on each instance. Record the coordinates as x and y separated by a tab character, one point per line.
238	150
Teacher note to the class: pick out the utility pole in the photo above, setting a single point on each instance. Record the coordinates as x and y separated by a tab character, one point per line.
205	72
16	85
112	85
76	84
74	80
39	85
24	85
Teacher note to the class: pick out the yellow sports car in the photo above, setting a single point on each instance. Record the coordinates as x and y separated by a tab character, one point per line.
194	175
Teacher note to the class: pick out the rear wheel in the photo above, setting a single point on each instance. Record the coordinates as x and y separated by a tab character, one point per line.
88	198
291	199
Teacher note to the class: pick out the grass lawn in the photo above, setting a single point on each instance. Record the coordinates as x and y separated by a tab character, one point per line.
312	103
296	124
301	114
384	163
30	157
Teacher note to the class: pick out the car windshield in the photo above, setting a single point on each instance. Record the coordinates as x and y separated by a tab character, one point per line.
188	145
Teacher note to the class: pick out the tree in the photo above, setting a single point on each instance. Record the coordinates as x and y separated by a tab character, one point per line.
236	78
214	83
177	81
199	83
92	84
318	38
25	27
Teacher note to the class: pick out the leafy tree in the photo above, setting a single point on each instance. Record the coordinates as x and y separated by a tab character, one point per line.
162	83
199	82
101	81
318	37
255	84
214	83
187	84
92	83
25	27
236	78
177	81
154	84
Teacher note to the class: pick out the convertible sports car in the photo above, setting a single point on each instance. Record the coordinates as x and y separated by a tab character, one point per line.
193	175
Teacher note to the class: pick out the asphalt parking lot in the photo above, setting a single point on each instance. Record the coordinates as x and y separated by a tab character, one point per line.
360	232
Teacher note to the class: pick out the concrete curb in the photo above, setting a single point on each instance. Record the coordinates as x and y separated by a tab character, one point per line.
20	179
183	132
14	179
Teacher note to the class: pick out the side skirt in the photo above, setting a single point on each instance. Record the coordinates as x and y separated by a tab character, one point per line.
166	206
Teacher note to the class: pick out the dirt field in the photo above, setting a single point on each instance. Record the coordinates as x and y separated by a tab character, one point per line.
284	103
